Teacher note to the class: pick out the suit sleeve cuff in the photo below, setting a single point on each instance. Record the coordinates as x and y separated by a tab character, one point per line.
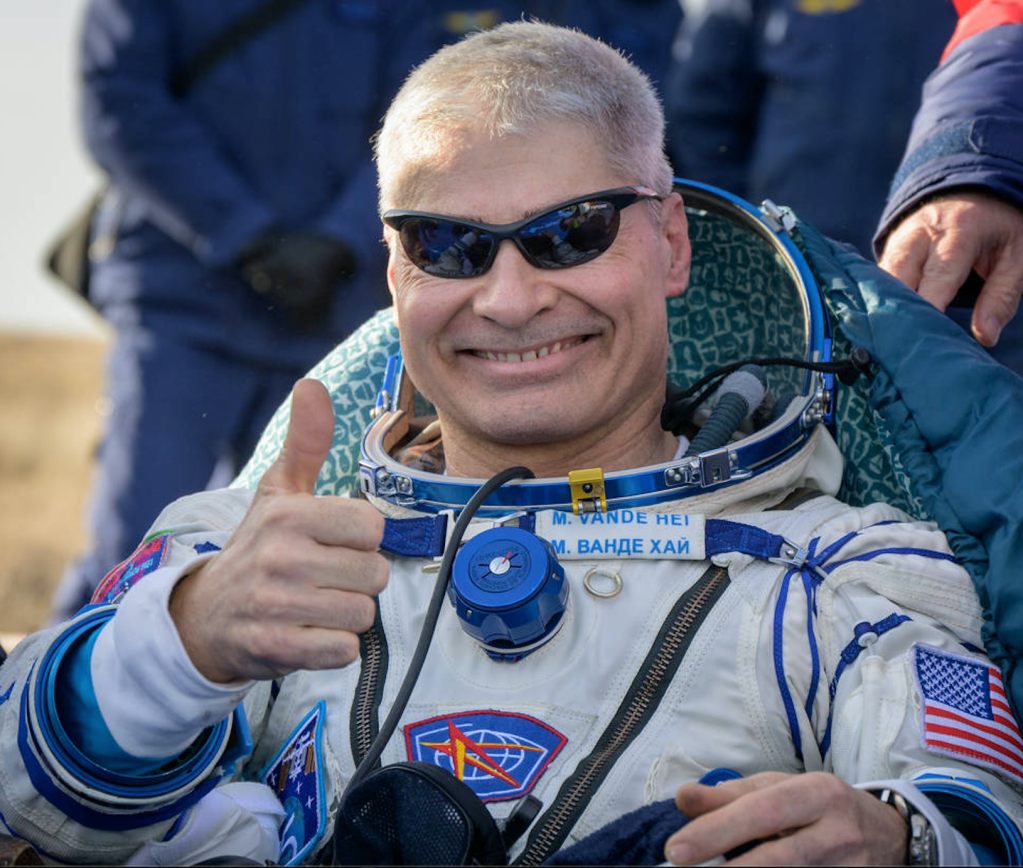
152	698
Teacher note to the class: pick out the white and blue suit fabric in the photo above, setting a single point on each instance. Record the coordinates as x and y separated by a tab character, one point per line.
854	648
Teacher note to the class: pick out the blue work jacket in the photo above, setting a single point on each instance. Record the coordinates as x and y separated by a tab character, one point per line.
805	102
969	130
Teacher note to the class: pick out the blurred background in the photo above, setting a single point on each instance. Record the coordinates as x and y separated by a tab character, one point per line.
243	206
240	203
51	342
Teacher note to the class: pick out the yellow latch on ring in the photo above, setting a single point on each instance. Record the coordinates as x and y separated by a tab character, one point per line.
587	488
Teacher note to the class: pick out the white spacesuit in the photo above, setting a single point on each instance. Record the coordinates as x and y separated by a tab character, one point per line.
849	652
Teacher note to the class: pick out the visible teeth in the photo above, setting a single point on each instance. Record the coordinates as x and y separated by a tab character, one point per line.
528	356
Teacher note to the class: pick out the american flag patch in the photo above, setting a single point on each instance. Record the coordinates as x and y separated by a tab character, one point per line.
966	713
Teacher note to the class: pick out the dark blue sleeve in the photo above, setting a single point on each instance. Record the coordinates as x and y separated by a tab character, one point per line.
146	139
711	96
409	34
969	129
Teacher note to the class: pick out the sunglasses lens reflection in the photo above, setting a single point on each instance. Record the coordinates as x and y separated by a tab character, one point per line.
566	236
445	248
572	235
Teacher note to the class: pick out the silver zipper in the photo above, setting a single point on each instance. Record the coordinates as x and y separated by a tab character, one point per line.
556	823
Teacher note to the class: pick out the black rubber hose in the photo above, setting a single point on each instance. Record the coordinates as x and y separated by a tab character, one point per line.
432	614
742	393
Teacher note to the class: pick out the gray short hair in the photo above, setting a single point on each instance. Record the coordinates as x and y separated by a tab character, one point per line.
510	80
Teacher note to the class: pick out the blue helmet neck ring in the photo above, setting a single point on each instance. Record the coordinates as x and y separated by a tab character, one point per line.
381	476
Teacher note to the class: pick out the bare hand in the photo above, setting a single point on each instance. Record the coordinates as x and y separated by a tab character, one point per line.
806	819
294	586
934	248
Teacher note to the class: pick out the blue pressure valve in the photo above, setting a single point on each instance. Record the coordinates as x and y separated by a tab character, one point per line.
509	591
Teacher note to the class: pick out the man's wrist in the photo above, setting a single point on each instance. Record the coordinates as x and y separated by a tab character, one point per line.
921	842
179	607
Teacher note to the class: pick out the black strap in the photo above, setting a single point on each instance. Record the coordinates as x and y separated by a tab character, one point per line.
797	498
246	28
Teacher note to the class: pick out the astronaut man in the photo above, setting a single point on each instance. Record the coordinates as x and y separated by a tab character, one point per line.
221	704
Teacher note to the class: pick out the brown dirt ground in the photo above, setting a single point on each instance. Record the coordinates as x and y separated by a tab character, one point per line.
50	420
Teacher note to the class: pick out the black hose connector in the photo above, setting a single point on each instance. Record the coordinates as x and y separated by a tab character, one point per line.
858	363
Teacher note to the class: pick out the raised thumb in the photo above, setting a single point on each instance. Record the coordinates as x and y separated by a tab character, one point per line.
307	444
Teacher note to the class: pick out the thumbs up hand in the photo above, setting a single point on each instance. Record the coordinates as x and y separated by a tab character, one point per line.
294	586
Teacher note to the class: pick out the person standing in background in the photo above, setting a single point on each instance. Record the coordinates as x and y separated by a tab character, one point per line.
238	241
643	29
805	102
957	200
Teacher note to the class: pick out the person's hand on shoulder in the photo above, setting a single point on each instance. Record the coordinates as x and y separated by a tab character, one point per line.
295	585
934	249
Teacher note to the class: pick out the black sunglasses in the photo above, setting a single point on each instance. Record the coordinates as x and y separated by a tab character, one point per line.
569	234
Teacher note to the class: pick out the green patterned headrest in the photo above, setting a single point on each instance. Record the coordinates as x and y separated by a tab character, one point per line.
742	302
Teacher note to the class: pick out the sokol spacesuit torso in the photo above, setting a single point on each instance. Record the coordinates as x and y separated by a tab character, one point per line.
693	670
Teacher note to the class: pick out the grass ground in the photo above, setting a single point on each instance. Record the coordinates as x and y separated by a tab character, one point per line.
51	415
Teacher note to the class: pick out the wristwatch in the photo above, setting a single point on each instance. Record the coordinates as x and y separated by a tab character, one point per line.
923	845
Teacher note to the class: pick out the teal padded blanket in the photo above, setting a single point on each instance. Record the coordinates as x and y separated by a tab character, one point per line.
952	420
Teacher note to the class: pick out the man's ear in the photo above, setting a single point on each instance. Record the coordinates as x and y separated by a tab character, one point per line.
676	230
392	259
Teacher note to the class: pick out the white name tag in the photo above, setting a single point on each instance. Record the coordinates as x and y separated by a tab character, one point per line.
623	533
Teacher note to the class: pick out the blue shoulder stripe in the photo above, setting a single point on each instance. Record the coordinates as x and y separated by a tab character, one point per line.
779	665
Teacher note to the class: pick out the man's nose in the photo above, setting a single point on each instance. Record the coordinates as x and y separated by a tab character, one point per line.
512	291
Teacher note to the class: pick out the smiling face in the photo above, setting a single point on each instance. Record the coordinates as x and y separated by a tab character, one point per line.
542	366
